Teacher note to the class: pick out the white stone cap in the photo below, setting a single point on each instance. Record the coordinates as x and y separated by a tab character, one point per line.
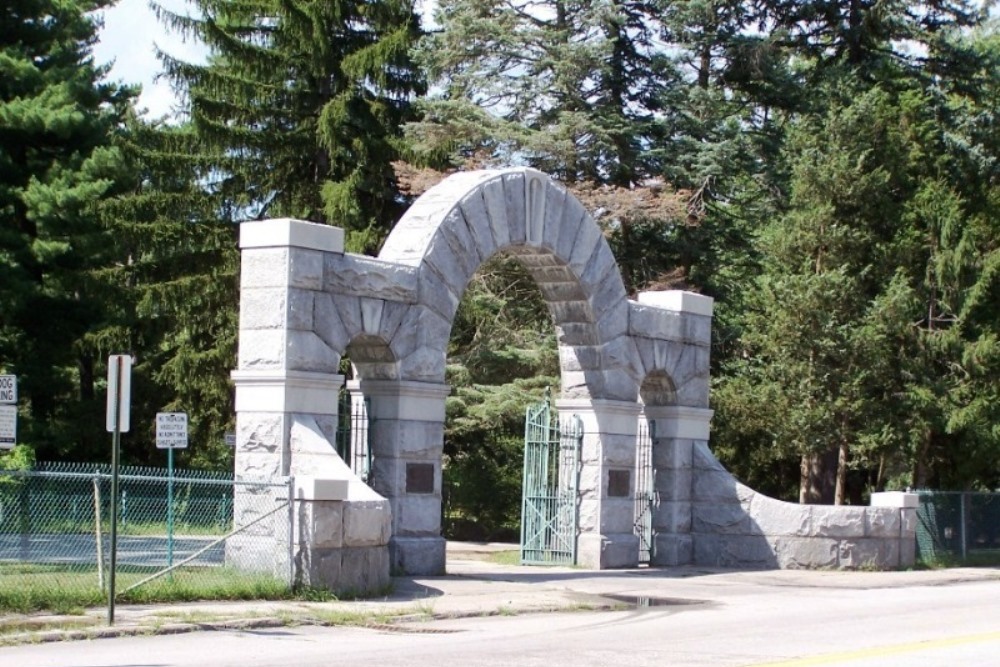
895	499
679	301
285	232
317	488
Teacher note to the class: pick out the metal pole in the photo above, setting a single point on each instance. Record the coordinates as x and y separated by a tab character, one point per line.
115	444
170	507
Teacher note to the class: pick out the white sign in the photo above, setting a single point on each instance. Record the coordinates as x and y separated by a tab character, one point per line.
171	430
8	426
8	389
120	387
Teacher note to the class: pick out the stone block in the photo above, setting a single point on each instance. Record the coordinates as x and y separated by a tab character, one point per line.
673	483
261	348
367	523
883	522
617	514
419	515
249	553
672	516
673	453
306	351
654	323
714	487
614	322
705	460
328	323
619	385
719	519
260	432
806	553
678	301
357	275
423	365
603	552
437	293
618	450
364	571
585	245
861	553
495	202
371	315
318	567
305	268
264	267
463	253
513	189
907	552
774	517
477	219
278	232
734	551
579	357
574	215
693	391
407	438
319	524
570	311
577	333
671	550
840	522
697	330
417	556
263	308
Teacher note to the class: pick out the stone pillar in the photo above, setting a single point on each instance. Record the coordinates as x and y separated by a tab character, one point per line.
676	429
286	374
607	481
407	439
907	505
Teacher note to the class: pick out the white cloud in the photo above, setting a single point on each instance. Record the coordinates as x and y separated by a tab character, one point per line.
127	41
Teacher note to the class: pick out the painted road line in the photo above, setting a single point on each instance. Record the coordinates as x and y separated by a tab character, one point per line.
883	651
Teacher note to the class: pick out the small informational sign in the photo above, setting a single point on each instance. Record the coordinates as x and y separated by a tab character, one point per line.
171	430
230	439
119	392
8	426
8	389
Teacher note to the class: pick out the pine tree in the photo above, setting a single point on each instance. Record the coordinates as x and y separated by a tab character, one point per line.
300	107
56	119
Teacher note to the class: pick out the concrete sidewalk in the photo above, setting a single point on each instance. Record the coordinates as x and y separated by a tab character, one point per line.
476	585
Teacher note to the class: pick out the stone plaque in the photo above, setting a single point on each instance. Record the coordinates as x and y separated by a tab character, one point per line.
619	483
420	478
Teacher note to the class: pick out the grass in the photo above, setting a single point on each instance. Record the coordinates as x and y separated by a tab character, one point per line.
512	557
68	589
942	561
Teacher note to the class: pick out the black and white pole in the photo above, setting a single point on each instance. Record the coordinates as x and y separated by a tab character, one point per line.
119	391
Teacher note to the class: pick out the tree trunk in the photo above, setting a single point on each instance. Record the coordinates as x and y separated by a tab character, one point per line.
810	479
840	492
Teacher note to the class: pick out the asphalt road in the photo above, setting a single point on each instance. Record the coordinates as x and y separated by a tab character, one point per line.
777	626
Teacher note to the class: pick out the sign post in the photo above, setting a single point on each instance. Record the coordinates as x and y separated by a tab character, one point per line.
8	411
171	434
119	397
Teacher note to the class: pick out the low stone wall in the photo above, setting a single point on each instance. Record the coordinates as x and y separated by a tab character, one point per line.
734	526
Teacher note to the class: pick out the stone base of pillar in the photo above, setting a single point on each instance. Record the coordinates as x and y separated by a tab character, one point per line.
670	550
417	555
606	552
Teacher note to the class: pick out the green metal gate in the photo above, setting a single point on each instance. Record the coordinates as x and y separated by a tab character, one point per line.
353	429
549	511
644	494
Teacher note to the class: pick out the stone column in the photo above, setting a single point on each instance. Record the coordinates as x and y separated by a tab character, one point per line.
676	429
607	481
407	438
907	505
285	374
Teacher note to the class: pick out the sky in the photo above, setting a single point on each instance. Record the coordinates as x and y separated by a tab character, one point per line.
127	42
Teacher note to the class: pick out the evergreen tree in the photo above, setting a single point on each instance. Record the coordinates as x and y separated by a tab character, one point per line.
300	106
56	162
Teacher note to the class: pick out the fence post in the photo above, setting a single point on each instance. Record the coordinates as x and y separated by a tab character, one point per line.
961	524
290	537
97	532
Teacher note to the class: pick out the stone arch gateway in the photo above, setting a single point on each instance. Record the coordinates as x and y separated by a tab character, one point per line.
305	302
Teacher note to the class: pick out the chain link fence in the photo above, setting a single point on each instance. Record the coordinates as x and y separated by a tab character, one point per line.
958	525
192	535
